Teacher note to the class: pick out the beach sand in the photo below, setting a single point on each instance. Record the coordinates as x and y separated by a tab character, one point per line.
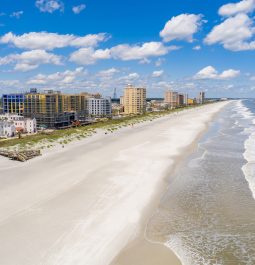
88	202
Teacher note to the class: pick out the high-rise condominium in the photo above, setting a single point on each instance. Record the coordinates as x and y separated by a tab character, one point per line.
172	98
134	100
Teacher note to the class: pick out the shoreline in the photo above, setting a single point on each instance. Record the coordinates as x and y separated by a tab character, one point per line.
141	250
112	187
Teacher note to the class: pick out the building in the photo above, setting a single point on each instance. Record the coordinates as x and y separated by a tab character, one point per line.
122	100
191	101
7	129
24	125
181	100
13	103
52	109
99	107
172	98
186	98
134	100
201	98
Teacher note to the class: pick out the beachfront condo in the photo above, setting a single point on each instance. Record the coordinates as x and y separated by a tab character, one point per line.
172	98
99	107
134	100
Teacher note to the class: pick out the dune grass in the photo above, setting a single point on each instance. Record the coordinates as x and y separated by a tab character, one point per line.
63	137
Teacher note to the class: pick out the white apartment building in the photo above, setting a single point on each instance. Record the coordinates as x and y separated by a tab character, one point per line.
25	125
99	107
7	128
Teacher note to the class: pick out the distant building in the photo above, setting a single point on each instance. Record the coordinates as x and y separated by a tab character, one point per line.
134	100
191	101
13	103
99	107
186	97
201	98
7	129
180	99
172	98
122	100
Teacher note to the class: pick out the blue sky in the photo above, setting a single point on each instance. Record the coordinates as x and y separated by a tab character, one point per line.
91	45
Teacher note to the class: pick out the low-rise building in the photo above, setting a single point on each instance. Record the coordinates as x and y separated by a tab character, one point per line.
7	129
24	125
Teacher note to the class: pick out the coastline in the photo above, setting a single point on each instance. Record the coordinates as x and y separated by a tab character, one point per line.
121	150
141	250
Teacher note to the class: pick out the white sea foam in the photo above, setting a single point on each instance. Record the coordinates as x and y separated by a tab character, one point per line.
198	247
249	154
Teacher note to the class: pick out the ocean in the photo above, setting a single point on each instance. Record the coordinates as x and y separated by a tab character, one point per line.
207	215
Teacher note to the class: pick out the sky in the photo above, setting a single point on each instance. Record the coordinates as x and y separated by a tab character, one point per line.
96	46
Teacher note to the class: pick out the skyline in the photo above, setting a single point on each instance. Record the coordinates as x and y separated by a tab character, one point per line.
94	47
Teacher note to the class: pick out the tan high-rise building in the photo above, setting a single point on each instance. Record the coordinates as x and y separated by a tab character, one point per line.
134	100
172	98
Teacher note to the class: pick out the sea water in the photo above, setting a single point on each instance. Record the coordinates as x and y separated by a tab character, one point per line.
207	216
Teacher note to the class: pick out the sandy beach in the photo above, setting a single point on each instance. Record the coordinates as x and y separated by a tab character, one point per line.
88	203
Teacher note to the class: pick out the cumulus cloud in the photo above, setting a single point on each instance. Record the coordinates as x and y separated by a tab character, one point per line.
50	41
244	6
181	27
17	14
127	52
157	74
58	78
108	73
87	56
235	34
78	9
127	79
210	72
124	52
30	60
49	6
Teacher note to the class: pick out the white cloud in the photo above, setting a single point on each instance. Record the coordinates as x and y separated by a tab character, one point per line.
229	74
210	72
133	76
50	41
127	52
10	83
49	6
108	73
30	60
181	27
129	78
87	56
17	14
197	48
235	34
157	74
78	9
244	6
59	78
